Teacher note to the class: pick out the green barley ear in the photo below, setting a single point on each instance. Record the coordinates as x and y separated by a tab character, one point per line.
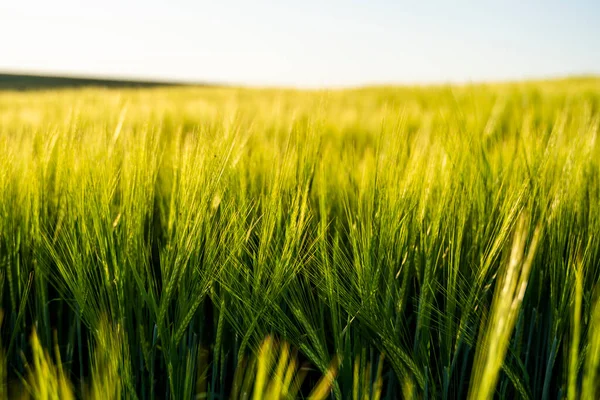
47	380
110	363
265	359
508	297
325	385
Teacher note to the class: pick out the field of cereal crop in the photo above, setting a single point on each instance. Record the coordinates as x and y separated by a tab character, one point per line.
390	242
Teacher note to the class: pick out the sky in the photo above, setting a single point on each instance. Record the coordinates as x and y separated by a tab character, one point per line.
304	43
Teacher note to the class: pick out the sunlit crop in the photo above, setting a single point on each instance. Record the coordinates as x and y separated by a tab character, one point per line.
372	243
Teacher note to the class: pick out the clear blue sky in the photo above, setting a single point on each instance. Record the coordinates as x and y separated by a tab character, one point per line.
302	43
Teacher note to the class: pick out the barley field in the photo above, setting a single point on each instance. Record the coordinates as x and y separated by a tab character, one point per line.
373	243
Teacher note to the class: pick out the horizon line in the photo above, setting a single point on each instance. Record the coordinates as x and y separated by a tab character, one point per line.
146	80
